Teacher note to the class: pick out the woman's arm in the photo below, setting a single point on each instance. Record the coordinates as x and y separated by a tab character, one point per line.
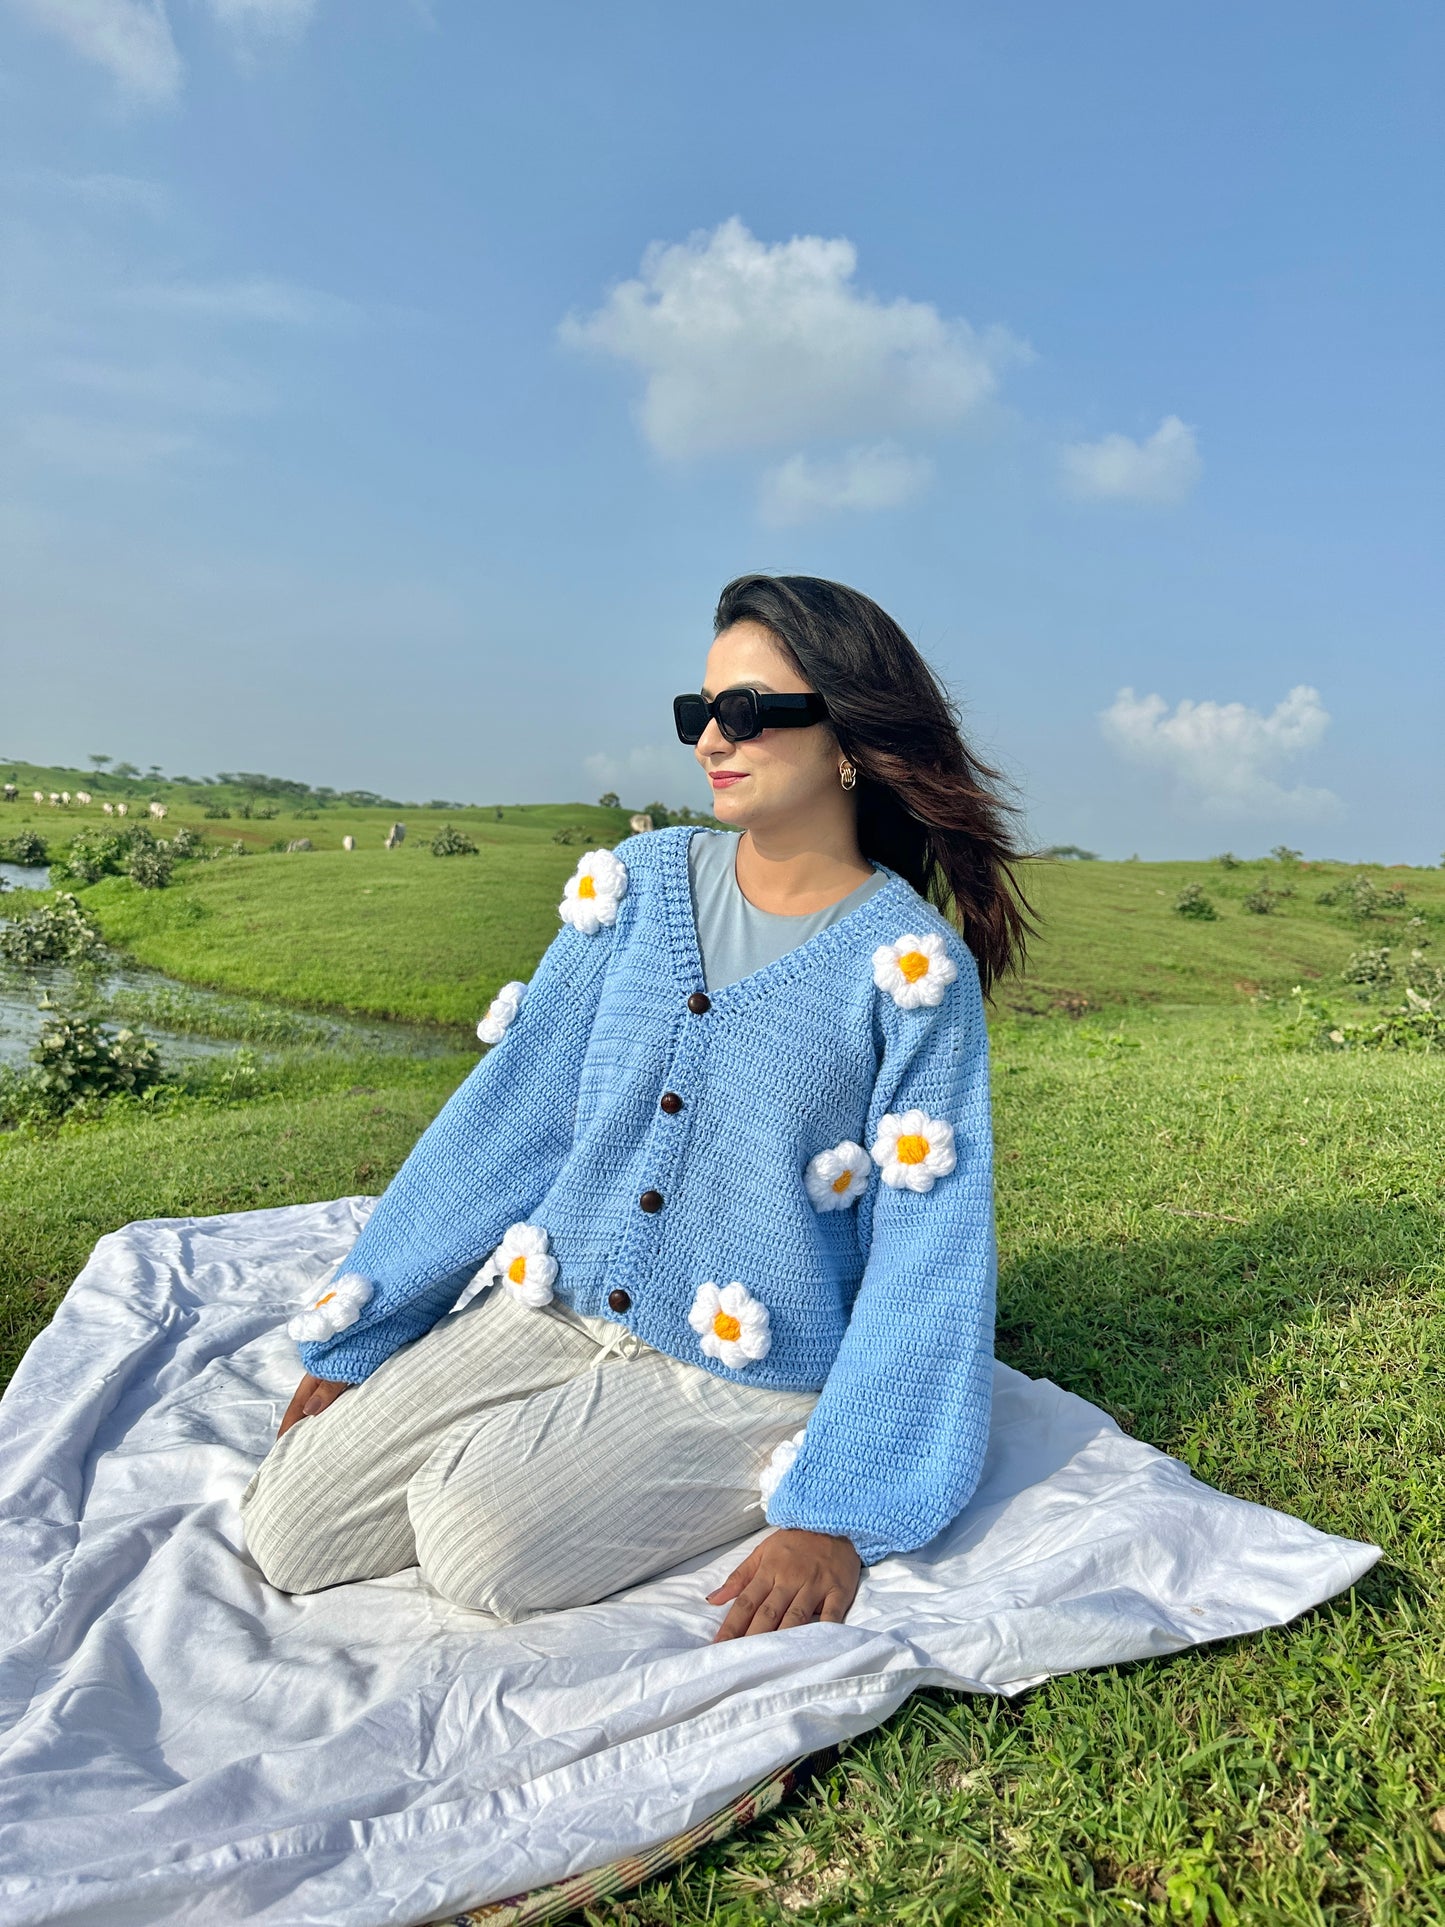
895	1445
482	1164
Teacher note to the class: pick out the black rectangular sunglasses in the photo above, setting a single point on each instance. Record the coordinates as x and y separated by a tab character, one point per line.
743	713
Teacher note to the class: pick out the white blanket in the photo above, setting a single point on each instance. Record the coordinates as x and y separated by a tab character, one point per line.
184	1744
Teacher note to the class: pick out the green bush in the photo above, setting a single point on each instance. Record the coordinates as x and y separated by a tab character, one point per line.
1362	897
1261	902
27	847
78	1058
55	932
450	842
150	868
215	811
1314	1024
1370	968
1227	860
1192	902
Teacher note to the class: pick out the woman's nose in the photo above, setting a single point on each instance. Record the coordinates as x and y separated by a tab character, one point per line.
712	742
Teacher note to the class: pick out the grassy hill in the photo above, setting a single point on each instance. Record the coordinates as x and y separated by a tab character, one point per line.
403	933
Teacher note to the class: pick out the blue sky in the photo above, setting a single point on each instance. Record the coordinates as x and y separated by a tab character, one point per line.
388	389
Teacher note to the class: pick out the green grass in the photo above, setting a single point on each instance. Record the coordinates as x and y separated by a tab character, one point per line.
405	934
1239	1252
384	933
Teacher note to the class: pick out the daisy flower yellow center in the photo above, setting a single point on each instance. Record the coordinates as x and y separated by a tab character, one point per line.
586	887
842	1181
727	1327
517	1269
913	965
911	1149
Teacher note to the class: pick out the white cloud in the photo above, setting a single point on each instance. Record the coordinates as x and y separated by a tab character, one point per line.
124	192
130	38
1161	471
164	385
1225	758
256	298
877	476
744	344
277	18
103	450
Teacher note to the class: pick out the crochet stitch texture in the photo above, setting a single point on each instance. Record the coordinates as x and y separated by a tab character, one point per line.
885	1307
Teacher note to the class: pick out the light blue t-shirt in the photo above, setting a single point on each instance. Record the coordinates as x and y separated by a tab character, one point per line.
734	936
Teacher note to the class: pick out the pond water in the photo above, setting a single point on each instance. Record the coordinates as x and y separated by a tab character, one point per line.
26	876
186	1023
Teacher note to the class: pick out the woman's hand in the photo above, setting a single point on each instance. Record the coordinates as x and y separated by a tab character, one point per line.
790	1579
311	1396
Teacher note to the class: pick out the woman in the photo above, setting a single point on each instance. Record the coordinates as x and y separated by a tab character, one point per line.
727	1175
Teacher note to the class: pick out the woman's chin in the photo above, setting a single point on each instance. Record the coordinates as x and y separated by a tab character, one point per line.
728	806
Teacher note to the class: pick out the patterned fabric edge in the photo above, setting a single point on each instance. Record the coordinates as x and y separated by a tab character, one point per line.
602	1883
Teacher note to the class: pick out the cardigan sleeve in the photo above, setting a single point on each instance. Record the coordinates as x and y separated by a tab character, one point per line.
484	1162
895	1445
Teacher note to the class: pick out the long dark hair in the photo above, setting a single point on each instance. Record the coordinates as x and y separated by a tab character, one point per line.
926	807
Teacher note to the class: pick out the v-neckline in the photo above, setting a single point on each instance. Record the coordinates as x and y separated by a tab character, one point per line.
687	949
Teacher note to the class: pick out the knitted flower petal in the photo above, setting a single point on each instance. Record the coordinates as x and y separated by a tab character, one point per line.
500	1012
837	1178
340	1304
524	1265
731	1324
914	970
912	1150
771	1476
593	891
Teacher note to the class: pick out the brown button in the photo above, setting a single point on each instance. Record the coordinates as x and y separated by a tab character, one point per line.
670	1102
651	1201
620	1300
698	1002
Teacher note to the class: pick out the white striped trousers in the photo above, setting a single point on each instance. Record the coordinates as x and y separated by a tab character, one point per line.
525	1460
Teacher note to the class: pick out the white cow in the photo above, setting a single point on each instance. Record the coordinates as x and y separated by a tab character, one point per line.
348	843
65	796
83	796
121	808
109	808
158	810
39	795
55	799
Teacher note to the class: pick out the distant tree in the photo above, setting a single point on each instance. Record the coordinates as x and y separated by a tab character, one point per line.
153	769
659	812
609	802
1282	853
125	769
99	761
1070	853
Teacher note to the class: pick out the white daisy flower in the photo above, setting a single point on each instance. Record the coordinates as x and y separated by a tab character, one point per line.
593	892
524	1265
500	1012
914	970
340	1305
732	1326
913	1149
837	1178
771	1476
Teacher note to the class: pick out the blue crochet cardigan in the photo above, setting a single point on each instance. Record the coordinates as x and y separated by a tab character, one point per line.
787	1183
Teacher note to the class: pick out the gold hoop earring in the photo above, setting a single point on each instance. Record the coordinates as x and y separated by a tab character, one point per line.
847	775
